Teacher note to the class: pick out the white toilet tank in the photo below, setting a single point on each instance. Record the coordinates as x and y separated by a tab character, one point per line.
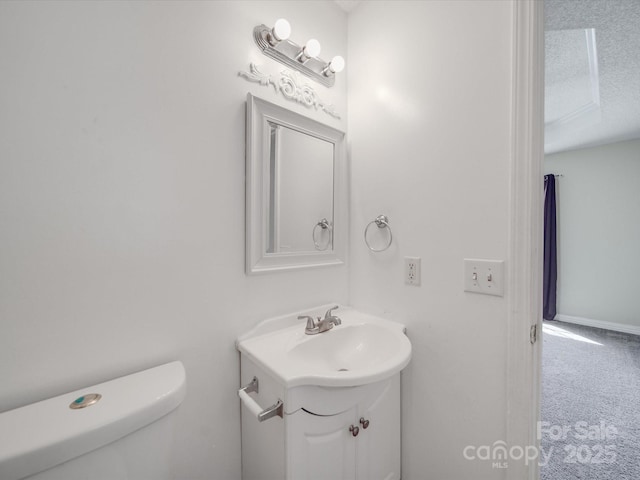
117	430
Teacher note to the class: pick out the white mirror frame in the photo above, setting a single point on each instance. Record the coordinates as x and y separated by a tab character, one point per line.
259	114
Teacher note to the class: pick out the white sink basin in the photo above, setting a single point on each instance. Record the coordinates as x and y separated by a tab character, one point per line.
363	349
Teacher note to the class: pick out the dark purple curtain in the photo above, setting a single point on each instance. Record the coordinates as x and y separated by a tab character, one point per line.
550	271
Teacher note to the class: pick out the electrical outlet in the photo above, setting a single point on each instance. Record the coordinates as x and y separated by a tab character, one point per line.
412	270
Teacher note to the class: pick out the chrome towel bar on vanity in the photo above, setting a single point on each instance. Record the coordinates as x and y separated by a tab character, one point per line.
257	411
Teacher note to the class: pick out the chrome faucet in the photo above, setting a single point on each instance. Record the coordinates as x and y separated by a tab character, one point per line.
322	324
330	318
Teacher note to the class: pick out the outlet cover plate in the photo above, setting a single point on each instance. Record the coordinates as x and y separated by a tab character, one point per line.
412	271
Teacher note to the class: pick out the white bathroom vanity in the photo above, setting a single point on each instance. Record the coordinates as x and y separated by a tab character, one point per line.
322	405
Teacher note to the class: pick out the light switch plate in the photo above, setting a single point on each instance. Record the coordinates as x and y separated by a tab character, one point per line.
484	276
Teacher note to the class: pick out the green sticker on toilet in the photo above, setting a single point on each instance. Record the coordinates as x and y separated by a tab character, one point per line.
85	400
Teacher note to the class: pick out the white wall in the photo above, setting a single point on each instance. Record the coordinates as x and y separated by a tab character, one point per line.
598	201
429	129
122	201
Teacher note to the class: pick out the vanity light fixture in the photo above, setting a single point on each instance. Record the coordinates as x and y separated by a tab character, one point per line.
281	31
336	65
274	42
311	49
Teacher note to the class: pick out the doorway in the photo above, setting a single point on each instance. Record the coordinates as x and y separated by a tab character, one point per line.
591	351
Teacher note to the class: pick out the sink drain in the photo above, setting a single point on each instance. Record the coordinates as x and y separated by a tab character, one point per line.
343	369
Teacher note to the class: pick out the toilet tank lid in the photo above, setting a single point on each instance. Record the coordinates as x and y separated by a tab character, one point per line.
42	435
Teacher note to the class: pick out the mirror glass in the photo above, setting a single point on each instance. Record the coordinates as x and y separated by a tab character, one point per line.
301	191
296	204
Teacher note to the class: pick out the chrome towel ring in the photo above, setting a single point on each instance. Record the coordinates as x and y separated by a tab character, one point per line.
382	221
324	225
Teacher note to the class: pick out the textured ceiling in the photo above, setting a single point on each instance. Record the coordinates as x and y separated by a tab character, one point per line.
592	69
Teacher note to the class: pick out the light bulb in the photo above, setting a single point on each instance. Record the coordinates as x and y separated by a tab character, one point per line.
281	29
336	65
312	48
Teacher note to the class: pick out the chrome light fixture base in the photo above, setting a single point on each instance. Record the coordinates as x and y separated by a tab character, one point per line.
287	52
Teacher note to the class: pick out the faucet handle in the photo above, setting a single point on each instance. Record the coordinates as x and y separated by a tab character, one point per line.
311	324
328	313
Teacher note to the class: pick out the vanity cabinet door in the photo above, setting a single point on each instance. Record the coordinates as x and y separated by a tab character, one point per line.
321	447
324	447
378	454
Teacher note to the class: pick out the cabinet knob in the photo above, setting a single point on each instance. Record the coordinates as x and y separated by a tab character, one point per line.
354	430
364	423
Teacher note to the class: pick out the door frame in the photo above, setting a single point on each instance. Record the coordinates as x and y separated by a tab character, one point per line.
525	232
